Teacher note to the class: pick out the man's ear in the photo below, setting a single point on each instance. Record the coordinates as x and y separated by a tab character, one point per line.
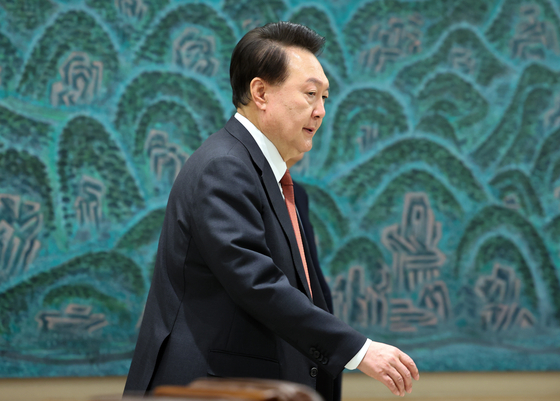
258	89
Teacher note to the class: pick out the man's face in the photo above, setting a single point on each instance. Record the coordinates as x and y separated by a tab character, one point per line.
295	108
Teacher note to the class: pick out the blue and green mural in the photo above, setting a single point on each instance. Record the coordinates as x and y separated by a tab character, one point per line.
434	181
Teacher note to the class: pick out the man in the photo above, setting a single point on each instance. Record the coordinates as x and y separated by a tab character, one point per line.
232	294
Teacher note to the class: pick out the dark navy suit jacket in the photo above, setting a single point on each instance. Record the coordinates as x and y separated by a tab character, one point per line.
227	296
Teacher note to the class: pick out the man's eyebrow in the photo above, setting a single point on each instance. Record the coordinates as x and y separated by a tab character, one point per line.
317	82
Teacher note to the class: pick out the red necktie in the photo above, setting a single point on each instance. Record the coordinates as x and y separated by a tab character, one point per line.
288	189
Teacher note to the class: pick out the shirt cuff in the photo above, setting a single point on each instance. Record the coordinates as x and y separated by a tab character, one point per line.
354	362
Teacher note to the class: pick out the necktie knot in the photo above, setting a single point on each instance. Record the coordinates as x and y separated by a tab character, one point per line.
287	179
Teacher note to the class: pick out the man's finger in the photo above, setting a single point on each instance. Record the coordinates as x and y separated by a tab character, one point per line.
411	366
406	375
391	384
398	379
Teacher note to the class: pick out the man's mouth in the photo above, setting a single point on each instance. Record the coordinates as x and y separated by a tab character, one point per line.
309	130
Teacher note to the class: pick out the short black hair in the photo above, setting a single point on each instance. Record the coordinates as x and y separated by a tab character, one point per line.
261	53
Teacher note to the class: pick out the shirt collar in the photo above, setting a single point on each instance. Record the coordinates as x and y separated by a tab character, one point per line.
271	154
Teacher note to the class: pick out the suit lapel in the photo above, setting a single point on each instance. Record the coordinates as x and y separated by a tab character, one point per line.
270	185
318	296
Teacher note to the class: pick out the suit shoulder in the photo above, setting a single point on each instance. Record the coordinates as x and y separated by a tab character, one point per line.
219	144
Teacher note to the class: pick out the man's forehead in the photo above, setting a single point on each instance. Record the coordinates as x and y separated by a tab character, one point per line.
306	67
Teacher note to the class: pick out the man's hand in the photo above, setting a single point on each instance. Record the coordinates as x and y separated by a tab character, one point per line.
390	366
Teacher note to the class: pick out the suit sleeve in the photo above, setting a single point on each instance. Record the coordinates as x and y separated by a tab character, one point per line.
229	230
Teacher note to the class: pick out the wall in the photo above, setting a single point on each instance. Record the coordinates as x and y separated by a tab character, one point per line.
434	181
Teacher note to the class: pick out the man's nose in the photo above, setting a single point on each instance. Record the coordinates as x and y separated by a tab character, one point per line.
319	111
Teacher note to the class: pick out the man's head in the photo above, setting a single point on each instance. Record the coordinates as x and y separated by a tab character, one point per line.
279	84
262	53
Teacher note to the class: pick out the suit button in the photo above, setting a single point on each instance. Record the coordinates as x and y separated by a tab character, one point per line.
317	354
314	371
325	360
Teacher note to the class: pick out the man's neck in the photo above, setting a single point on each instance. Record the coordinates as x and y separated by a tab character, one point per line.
251	115
269	150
